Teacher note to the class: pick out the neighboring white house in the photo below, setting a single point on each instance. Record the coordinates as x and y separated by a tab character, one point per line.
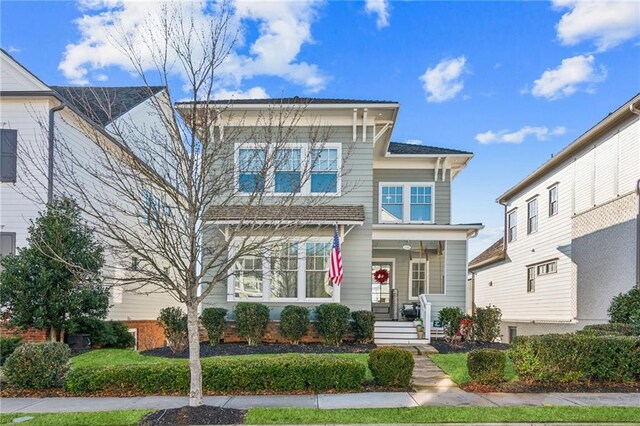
29	109
571	232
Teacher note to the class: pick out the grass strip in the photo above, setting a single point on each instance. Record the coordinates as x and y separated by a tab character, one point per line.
97	418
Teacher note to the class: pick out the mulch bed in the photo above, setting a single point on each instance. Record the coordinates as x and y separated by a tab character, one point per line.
207	350
536	387
203	415
463	347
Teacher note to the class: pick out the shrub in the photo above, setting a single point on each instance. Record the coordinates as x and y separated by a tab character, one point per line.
214	321
362	325
37	365
283	373
625	307
7	346
174	323
486	366
391	366
450	319
333	322
486	323
251	321
106	334
612	329
293	323
571	357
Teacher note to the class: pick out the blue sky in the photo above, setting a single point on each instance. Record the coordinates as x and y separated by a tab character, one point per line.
512	82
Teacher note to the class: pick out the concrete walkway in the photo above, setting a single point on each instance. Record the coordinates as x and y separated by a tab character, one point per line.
433	397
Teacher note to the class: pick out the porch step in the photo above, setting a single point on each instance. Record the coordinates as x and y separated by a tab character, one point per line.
395	330
413	335
399	341
394	324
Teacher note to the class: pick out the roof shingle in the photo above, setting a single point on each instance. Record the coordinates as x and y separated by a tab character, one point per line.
411	149
492	254
104	104
277	213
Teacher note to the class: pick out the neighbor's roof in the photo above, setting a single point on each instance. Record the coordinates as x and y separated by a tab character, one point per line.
494	253
296	100
582	141
325	214
397	148
105	104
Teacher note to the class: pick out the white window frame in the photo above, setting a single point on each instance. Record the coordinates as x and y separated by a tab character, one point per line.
545	265
266	277
305	189
531	288
530	229
426	271
512	237
557	201
406	201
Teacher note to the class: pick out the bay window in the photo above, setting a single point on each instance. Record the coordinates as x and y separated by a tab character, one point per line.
406	203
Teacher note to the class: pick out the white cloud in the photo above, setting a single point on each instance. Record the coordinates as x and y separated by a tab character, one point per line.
101	77
13	49
507	136
442	82
573	74
283	28
253	93
413	142
380	8
606	23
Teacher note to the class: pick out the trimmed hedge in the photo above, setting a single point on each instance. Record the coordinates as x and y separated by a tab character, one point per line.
391	366
486	366
283	373
625	307
363	325
7	346
332	322
37	365
214	321
572	357
174	323
293	323
614	329
106	334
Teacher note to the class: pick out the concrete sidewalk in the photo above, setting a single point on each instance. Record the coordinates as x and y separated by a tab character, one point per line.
457	398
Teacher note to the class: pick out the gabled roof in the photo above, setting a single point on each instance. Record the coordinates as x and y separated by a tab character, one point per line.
323	214
104	104
293	101
397	148
493	254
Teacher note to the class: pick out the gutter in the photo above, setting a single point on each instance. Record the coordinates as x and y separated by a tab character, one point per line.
52	131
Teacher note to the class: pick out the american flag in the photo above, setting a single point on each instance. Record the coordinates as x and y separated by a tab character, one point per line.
335	260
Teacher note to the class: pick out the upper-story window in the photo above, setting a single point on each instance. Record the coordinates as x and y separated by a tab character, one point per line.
553	200
532	216
406	203
8	155
260	169
512	221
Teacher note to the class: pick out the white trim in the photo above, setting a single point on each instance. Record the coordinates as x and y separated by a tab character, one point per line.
386	232
406	201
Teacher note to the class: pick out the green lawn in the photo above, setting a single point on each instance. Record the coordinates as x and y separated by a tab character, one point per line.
444	415
280	416
455	365
99	418
107	357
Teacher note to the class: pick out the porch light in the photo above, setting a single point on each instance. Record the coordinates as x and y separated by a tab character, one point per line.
406	247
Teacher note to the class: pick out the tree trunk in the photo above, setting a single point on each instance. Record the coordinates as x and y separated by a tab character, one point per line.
52	334
195	394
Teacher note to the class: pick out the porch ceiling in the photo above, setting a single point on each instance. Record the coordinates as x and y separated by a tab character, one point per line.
398	245
399	232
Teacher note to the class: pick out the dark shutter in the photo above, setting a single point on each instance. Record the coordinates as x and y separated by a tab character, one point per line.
8	155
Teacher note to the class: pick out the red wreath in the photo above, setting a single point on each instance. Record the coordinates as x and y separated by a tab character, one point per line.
381	275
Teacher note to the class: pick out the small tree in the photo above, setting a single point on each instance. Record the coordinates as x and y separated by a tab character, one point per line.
55	281
625	307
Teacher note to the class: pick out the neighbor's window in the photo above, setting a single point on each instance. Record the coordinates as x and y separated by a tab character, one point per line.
250	170
553	200
532	216
548	268
513	333
324	170
7	243
512	221
248	277
284	271
8	155
420	204
392	205
287	170
531	279
317	263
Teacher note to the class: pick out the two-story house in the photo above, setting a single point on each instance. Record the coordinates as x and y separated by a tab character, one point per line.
391	202
571	234
34	119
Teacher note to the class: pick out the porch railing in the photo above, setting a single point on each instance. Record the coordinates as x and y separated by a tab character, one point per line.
425	315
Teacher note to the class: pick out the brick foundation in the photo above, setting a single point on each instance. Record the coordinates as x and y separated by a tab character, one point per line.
150	334
32	335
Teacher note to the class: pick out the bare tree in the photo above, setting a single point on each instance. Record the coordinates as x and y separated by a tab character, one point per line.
166	189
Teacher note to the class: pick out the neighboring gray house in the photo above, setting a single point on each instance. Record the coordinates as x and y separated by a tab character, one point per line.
571	234
392	202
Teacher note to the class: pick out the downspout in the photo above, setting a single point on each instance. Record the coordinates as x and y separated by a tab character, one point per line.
52	133
473	277
636	111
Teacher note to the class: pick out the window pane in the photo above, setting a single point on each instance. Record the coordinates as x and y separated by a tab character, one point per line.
284	271
287	170
287	182
421	202
248	277
317	280
418	278
250	165
324	182
391	210
324	170
420	213
251	182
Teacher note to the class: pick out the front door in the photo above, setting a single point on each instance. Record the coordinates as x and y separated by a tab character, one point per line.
381	286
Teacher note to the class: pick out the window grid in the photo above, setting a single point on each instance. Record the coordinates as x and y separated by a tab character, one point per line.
512	220
392	203
284	271
405	203
250	167
420	204
248	277
547	268
324	170
531	279
532	216
287	170
553	201
418	279
317	280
